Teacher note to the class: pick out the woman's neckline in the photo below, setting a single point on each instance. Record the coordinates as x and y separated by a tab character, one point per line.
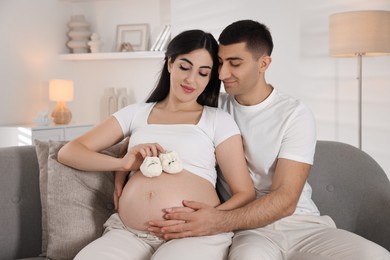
153	104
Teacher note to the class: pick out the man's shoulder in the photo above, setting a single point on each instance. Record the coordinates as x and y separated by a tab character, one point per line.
287	102
283	97
217	112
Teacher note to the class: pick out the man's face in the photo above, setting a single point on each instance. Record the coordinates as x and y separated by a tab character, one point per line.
238	69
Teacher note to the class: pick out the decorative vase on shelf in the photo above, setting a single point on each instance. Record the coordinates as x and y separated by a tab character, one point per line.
123	98
109	103
79	34
95	43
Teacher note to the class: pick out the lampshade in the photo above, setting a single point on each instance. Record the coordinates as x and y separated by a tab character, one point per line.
61	90
359	32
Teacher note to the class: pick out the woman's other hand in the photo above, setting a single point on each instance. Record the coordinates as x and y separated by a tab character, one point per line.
120	179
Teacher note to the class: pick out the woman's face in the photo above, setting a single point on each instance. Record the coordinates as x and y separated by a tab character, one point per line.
190	74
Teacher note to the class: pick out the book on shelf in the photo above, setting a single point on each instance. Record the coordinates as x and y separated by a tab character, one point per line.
162	39
165	39
158	39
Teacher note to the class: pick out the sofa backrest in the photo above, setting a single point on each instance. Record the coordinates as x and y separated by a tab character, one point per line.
347	183
20	217
353	189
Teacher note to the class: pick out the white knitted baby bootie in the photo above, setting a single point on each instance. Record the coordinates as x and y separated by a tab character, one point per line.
171	162
151	166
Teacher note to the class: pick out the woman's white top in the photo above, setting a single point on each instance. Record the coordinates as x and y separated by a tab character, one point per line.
195	144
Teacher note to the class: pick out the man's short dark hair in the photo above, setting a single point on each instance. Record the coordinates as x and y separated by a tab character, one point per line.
256	35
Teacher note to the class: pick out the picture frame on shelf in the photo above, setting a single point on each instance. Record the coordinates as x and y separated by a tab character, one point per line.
135	35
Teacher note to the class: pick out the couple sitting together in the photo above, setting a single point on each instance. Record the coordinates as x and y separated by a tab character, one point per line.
261	140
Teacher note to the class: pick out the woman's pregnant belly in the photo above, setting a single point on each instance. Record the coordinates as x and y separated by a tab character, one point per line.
143	199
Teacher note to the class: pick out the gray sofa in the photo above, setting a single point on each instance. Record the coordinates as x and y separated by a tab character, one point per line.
348	185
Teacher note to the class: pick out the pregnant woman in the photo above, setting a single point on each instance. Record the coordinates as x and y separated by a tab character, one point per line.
181	115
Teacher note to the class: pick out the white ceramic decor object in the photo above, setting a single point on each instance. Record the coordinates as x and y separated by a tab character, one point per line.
43	119
123	98
108	103
79	34
95	44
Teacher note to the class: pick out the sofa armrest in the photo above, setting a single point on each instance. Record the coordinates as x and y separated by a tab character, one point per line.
20	220
351	187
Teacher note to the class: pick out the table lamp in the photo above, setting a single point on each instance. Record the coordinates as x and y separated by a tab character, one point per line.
357	34
61	91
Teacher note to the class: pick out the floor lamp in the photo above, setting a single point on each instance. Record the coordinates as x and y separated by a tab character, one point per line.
359	33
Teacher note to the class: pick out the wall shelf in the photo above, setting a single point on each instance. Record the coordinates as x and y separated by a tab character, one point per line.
75	1
112	56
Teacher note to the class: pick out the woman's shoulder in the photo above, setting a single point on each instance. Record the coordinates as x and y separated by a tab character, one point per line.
221	123
133	110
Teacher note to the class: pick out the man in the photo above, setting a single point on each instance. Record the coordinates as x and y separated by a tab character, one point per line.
279	140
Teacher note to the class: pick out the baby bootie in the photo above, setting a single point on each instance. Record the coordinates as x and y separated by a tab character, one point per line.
151	166
171	162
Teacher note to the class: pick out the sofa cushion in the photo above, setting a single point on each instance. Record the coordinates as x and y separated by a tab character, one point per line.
77	204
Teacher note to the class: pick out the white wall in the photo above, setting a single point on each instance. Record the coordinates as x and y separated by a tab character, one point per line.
34	32
28	51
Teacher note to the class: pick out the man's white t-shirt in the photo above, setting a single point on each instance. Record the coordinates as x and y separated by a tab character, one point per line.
278	127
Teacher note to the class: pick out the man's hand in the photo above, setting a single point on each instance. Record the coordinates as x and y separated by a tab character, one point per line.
156	225
196	219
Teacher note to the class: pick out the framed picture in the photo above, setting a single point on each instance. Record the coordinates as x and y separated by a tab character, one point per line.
132	37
